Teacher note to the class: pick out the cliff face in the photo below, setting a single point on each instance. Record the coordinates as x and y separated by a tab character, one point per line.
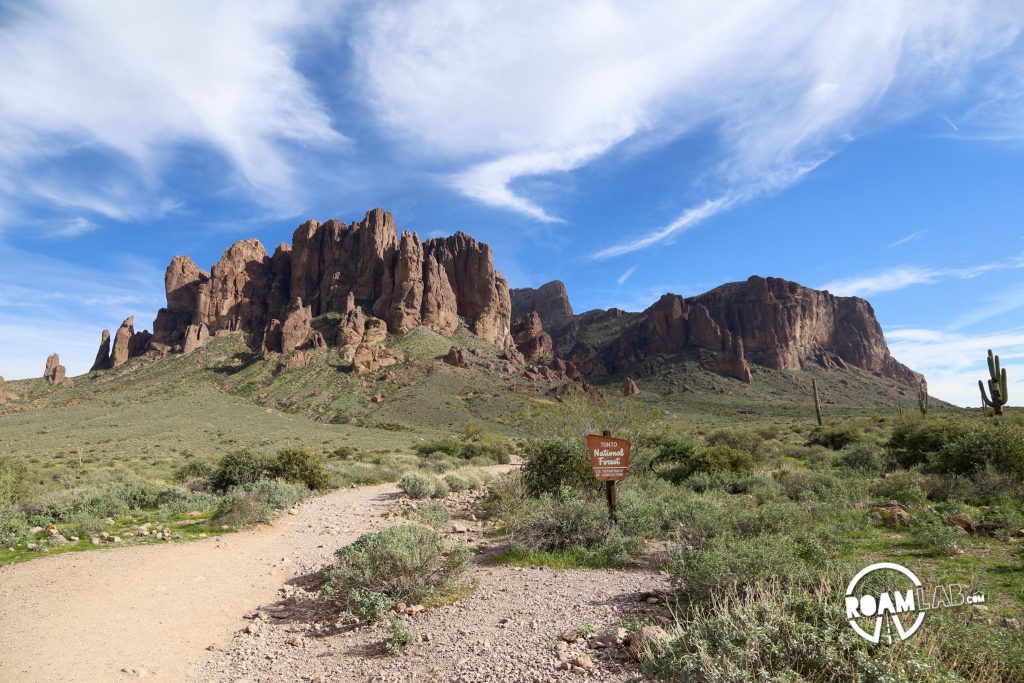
333	267
764	321
550	301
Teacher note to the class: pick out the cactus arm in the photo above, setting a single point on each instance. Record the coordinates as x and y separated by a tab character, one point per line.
985	401
1003	392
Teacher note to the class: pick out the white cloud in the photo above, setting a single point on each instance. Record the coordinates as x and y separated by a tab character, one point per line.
621	280
508	90
133	81
901	277
73	227
953	362
908	239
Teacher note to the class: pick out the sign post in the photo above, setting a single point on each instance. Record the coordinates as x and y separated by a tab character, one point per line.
609	457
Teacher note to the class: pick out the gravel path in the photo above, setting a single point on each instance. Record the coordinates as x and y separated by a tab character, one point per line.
178	612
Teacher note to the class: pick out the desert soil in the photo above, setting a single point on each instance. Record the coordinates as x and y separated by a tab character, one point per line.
242	607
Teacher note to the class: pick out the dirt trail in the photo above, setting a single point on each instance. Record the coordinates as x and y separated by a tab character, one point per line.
151	611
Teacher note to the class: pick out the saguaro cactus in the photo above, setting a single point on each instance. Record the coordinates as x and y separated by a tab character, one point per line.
922	400
996	385
817	400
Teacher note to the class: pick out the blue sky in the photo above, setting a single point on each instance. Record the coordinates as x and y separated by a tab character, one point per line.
627	148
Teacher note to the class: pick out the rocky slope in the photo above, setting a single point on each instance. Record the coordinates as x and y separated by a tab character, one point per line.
768	322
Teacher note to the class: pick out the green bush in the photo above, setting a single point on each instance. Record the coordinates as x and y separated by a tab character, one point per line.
835	437
433	514
455	482
12	480
399	634
557	522
714	461
255	503
937	538
404	563
819	486
915	440
998	444
300	465
727	564
418	486
771	634
239	468
675	453
498	453
748	442
192	470
552	466
190	502
448	445
863	458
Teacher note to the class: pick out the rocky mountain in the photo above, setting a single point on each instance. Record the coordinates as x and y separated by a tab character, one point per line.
350	286
374	279
768	322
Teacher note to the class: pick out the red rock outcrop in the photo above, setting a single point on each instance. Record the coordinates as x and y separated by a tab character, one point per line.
629	387
3	392
195	336
334	267
119	355
531	340
55	373
767	321
296	328
102	361
550	301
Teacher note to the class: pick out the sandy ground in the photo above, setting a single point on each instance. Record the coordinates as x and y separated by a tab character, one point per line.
178	612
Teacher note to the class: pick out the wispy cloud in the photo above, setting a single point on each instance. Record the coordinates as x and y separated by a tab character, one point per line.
621	280
73	227
908	239
115	80
901	277
690	218
512	90
953	362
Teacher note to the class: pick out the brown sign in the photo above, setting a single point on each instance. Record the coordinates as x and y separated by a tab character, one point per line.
608	456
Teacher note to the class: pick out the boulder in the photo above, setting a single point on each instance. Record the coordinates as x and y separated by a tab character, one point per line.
102	361
54	373
962	520
629	387
646	638
456	356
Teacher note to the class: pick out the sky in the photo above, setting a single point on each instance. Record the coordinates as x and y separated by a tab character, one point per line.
873	148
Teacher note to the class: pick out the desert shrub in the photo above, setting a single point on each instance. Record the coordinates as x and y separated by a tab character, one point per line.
12	480
863	458
553	466
499	453
418	486
727	564
762	487
343	453
675	452
700	521
255	503
13	526
505	495
300	465
399	633
448	445
137	494
433	514
988	484
935	537
780	516
438	462
193	470
558	521
820	486
192	501
650	508
701	482
910	496
978	444
740	440
768	633
98	501
1003	518
239	468
713	460
836	437
914	440
455	482
404	563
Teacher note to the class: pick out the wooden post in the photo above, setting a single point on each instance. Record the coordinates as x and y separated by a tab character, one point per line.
610	491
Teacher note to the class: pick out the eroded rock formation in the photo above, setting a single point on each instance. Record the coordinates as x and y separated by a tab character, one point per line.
102	361
629	387
348	269
54	373
3	392
531	340
550	301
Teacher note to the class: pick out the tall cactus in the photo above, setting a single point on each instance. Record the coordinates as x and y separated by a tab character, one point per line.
996	385
817	400
922	400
